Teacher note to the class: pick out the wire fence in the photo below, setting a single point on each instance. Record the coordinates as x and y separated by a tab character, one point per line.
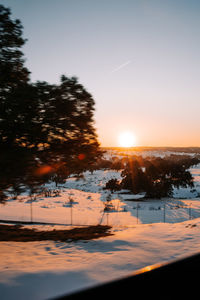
147	212
165	213
113	213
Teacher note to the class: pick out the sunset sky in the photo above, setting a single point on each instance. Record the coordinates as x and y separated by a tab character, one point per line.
140	59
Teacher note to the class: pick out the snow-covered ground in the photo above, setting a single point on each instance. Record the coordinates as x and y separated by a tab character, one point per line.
88	198
41	270
145	232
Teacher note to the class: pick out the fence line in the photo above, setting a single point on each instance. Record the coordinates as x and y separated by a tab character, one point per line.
184	213
142	212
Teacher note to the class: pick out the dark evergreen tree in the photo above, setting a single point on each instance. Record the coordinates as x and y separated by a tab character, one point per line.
45	130
13	71
14	75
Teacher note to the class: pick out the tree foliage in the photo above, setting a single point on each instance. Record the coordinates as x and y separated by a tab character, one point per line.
13	71
113	185
46	130
157	176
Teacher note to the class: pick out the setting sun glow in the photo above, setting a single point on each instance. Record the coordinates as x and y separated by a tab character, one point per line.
127	139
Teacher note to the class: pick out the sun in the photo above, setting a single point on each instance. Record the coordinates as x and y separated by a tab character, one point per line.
126	139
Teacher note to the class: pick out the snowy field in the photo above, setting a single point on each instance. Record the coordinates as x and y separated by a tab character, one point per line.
145	233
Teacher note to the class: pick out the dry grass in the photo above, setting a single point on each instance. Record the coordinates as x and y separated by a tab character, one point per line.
18	233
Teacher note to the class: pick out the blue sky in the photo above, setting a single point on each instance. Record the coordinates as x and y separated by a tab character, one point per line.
139	59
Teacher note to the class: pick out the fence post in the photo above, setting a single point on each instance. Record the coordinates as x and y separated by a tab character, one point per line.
71	208
31	203
137	213
164	214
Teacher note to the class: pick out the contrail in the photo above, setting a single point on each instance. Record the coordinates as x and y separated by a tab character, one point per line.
121	66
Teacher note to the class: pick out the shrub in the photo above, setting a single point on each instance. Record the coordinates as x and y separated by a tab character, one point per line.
113	185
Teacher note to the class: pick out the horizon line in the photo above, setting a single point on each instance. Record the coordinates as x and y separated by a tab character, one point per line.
133	147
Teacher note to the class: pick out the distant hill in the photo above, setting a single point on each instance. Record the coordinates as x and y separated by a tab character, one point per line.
168	149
